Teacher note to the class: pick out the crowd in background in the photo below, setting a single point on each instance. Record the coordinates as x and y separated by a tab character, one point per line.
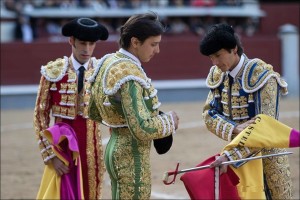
19	4
29	29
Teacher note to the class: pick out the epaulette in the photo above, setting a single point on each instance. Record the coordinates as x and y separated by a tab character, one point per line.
55	70
215	77
257	73
96	64
121	71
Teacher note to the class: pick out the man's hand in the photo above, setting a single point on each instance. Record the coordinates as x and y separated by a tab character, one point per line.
239	128
59	166
218	162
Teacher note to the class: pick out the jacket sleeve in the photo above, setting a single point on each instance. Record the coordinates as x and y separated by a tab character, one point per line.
267	99
41	119
214	119
141	123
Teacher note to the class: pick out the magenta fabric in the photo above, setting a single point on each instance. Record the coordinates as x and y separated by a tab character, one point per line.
61	129
200	184
65	142
294	138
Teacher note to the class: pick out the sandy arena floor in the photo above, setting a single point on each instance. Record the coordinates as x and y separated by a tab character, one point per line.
21	164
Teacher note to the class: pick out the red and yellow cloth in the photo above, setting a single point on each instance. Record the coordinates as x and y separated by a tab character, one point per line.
267	132
68	186
246	180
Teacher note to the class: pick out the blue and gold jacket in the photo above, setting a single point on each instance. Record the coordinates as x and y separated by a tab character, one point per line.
256	89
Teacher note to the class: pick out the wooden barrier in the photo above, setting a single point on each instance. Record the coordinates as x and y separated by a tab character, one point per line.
179	57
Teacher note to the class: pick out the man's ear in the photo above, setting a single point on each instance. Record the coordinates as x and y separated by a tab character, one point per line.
235	49
134	42
72	41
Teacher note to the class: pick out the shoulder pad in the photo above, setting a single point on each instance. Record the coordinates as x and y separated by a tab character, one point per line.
121	71
257	73
215	77
55	70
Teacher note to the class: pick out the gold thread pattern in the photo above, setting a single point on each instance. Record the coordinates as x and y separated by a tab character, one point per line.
262	84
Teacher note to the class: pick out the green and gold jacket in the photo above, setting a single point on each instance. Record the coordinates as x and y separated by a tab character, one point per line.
123	96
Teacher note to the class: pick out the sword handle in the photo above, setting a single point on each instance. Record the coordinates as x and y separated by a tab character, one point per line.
167	174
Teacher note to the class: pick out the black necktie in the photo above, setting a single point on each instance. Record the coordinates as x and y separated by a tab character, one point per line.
80	78
230	79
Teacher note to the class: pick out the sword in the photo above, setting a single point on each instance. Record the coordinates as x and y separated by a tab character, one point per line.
174	173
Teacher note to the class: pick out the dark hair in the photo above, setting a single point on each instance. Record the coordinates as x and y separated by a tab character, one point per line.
220	36
141	26
240	49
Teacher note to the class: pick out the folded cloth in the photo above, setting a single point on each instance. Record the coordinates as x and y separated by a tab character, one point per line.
242	182
200	184
68	186
267	132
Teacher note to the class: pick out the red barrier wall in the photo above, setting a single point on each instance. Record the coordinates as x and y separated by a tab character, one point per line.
278	14
179	58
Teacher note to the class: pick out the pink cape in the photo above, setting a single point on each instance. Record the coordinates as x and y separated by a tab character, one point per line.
65	146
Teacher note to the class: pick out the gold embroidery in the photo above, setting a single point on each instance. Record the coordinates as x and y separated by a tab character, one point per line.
71	75
269	98
64	99
235	89
63	87
87	86
279	176
224	97
86	98
235	113
214	77
244	113
99	160
90	154
243	101
72	88
71	100
54	69
55	109
72	112
226	109
235	101
226	83
63	111
113	114
259	78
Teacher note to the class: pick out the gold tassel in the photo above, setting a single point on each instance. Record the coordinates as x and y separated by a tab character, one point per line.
146	95
250	98
217	94
106	101
53	87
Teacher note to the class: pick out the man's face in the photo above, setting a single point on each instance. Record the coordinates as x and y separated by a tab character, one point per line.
145	51
225	60
82	50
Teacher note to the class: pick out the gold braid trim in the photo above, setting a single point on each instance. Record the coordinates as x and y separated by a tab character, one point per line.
55	70
91	163
257	73
100	160
215	77
121	71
